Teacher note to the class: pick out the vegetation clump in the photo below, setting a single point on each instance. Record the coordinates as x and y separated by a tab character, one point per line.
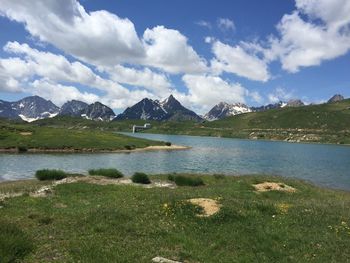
110	172
181	180
167	143
140	178
47	174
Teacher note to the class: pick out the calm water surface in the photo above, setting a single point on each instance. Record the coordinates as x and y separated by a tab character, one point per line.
325	165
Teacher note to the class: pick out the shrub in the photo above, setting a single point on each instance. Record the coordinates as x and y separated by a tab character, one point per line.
14	243
168	143
188	181
47	174
171	177
111	172
130	147
22	149
140	178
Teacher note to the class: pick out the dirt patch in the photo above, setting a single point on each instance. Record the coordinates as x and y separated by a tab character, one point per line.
26	133
271	186
210	206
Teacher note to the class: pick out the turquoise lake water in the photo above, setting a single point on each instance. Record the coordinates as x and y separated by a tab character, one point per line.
325	165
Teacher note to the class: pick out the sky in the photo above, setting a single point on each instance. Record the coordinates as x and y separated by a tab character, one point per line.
203	52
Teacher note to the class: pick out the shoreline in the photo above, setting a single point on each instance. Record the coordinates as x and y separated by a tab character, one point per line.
91	150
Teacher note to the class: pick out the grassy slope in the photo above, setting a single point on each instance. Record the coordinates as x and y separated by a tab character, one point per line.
315	123
65	138
116	223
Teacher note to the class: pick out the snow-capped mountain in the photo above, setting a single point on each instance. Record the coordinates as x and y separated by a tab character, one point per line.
169	109
29	109
98	112
224	109
73	108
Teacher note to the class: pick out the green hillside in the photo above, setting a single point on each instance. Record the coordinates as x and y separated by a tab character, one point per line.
327	123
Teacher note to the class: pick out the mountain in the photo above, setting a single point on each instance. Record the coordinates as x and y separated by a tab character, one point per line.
169	109
98	112
29	109
176	112
224	109
295	103
146	109
277	105
336	98
73	108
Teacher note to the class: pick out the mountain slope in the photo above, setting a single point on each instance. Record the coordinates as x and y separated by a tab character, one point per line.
98	111
73	108
223	110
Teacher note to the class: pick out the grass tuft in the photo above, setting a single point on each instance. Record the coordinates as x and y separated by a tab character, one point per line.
47	174
181	180
111	172
140	178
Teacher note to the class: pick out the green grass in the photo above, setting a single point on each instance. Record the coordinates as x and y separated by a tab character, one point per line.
113	173
25	136
181	180
47	174
140	178
123	223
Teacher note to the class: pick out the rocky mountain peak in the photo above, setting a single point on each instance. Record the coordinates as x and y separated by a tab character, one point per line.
336	98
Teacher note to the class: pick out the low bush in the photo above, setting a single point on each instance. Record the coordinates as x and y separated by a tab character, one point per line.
168	143
140	178
181	180
47	174
111	172
171	177
22	149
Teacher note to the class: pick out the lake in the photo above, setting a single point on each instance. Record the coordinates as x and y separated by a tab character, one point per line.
325	165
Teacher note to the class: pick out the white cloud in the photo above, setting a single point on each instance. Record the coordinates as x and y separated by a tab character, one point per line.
279	94
236	60
226	24
168	49
60	94
204	91
203	23
101	38
155	82
209	39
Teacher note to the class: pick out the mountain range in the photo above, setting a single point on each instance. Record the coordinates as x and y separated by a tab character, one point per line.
34	108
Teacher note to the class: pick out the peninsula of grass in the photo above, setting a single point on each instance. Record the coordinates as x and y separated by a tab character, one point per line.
110	172
28	137
84	222
47	174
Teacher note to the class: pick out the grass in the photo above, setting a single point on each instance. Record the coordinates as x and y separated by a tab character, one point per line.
181	180
88	223
111	172
140	178
26	136
47	174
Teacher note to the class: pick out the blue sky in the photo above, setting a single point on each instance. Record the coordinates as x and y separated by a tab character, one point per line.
204	52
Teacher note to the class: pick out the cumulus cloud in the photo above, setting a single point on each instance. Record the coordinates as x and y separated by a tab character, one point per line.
168	49
158	83
234	59
102	38
226	24
207	90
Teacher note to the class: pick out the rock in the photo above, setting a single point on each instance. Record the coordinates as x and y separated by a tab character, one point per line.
336	98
